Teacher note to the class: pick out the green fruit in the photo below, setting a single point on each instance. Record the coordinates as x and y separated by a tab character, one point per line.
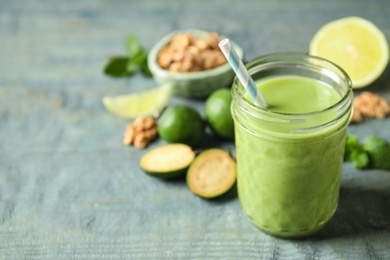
212	173
218	114
181	124
167	161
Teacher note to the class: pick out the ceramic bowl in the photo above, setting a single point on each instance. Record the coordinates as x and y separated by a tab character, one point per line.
192	84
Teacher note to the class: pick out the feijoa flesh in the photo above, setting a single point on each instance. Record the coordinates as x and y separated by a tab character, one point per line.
212	173
167	161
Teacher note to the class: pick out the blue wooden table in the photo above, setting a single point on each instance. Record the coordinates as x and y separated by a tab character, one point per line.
69	189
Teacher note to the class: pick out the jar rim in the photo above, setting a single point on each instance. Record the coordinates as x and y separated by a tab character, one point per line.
281	57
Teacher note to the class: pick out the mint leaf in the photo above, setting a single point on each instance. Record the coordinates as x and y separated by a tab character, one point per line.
141	58
360	159
116	67
352	143
133	46
132	66
378	150
136	60
145	70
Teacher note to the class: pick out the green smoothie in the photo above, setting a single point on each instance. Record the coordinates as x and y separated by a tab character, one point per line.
289	178
293	94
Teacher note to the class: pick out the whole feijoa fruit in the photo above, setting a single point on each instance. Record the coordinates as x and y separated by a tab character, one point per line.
181	124
218	114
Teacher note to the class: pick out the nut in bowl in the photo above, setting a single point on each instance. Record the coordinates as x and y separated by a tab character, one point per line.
192	62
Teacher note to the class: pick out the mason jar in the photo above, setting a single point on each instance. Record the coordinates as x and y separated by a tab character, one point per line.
289	162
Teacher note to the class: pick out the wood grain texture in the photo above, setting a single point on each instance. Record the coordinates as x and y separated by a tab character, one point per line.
70	190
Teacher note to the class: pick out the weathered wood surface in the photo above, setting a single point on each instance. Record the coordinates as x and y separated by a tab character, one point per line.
69	189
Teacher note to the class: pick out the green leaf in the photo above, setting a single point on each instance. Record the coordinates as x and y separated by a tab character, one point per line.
131	66
133	45
136	60
116	67
145	70
141	56
352	143
360	159
142	60
378	150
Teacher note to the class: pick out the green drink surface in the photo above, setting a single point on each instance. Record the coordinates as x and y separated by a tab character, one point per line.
294	94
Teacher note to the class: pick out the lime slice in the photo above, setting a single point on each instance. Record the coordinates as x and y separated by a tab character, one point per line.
146	103
356	45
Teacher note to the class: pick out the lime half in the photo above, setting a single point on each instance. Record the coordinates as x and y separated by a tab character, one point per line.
356	45
150	102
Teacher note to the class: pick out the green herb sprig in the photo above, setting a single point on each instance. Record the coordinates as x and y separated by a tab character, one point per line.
373	153
136	60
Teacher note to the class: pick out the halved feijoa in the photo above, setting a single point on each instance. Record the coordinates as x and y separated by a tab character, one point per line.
167	161
212	173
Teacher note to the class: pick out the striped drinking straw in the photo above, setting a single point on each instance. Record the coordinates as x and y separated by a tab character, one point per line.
242	73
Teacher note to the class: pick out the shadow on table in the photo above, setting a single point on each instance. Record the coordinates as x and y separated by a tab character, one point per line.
228	196
210	140
359	212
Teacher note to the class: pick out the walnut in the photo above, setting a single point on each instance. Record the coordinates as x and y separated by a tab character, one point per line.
164	59
370	105
201	44
213	39
141	132
181	40
357	116
187	53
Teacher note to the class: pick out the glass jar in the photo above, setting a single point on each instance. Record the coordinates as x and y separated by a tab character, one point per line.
289	164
